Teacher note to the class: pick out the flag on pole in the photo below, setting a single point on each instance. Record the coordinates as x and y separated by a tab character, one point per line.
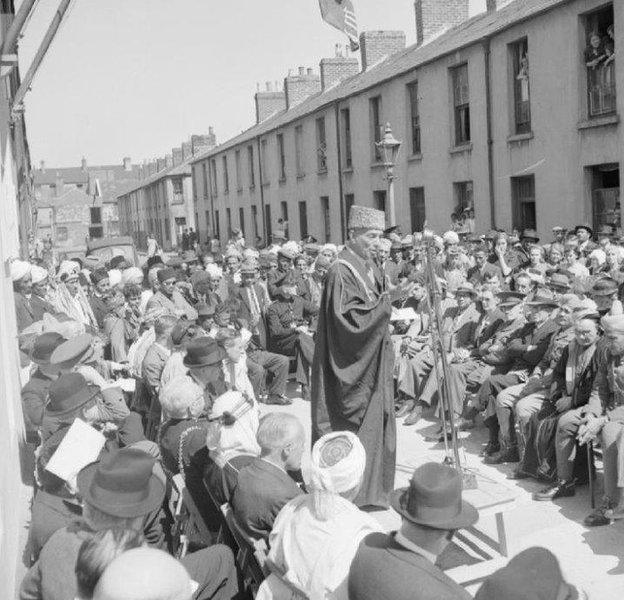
340	14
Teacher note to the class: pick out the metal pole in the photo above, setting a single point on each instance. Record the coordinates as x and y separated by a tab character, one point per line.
15	29
48	38
391	207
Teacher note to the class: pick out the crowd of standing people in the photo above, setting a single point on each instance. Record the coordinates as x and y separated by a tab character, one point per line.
171	361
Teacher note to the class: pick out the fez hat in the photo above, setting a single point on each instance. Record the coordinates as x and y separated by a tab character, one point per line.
434	499
533	573
69	393
45	344
122	484
99	274
203	352
166	273
70	353
363	217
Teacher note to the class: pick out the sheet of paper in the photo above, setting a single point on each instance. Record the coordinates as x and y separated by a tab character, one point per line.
403	314
81	446
127	384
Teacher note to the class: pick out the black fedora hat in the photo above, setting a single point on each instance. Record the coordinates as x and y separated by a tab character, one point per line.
586	227
203	352
122	484
434	499
69	393
45	344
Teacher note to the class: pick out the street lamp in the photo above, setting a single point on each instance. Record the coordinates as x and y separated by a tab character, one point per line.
388	148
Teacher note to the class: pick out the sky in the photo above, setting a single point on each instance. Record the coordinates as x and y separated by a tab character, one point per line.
137	77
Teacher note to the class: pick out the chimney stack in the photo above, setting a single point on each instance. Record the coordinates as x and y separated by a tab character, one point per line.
434	17
168	161
42	166
187	150
202	142
301	86
491	5
160	164
269	102
127	163
376	46
337	69
176	154
83	164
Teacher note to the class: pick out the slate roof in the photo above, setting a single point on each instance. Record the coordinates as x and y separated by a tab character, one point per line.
456	38
184	169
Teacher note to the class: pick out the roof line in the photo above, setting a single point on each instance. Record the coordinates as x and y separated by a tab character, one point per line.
224	146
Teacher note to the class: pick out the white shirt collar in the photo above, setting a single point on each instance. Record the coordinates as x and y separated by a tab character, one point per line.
399	538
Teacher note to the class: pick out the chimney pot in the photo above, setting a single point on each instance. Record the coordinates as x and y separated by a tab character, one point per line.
83	163
491	5
257	87
310	71
42	165
127	163
268	86
301	71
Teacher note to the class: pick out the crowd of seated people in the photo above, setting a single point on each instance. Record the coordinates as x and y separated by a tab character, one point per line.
173	363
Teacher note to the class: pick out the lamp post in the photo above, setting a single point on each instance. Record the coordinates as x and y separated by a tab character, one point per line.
389	148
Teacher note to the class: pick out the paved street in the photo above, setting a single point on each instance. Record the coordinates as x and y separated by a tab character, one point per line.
591	558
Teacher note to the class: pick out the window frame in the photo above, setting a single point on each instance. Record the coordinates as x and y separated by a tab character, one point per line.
321	145
413	103
345	121
374	107
461	104
281	157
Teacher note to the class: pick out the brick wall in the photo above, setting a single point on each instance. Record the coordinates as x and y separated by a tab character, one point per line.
337	69
301	86
434	16
268	103
377	45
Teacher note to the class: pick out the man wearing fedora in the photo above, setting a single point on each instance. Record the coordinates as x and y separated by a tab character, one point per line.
584	234
120	490
402	565
204	361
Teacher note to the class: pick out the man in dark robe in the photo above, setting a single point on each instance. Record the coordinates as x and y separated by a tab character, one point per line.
352	387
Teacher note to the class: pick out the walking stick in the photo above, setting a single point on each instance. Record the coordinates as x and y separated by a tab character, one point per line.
590	464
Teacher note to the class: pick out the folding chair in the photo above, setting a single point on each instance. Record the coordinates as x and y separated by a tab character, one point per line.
251	553
188	522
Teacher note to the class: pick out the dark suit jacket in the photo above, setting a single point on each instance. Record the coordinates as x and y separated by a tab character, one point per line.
34	397
384	569
530	335
39	307
241	294
23	311
153	365
261	491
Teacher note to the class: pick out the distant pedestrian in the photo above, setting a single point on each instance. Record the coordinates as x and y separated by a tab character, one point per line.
152	245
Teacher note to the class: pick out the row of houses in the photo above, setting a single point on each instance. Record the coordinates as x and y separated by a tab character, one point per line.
511	117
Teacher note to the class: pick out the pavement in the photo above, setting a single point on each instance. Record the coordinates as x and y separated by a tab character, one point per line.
591	558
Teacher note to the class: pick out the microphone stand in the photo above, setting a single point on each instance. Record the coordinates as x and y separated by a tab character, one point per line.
438	346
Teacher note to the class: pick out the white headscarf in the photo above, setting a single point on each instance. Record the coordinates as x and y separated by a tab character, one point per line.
227	441
19	269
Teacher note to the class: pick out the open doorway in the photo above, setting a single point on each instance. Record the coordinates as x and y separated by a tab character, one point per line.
605	195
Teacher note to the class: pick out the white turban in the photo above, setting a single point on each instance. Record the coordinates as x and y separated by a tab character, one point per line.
132	275
338	461
599	255
114	276
450	237
613	323
39	274
19	269
68	267
215	271
292	247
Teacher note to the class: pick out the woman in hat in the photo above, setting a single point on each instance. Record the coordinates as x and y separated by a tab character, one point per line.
316	535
